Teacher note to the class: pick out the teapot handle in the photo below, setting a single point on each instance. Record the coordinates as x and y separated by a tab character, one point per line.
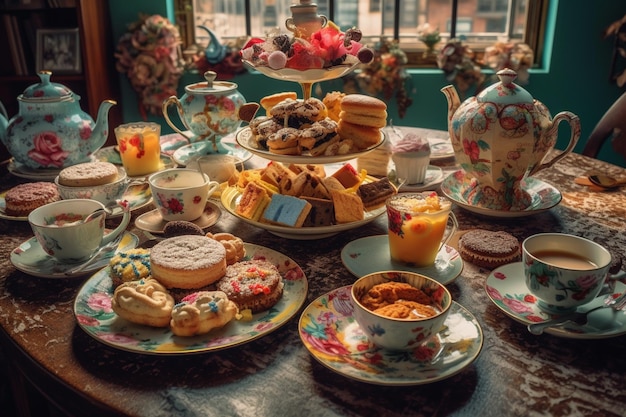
3	111
179	107
574	123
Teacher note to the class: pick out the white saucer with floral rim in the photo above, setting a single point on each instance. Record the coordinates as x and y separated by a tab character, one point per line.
153	222
31	259
332	336
506	287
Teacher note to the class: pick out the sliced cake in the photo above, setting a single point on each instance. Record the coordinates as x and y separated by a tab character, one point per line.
322	212
374	194
286	210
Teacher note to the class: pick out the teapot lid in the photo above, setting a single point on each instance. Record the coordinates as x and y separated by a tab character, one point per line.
506	91
46	91
210	86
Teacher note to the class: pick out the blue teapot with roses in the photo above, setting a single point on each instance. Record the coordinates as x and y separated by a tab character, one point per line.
50	129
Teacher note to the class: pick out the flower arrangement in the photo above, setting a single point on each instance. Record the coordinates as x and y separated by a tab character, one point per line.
149	54
462	66
429	36
386	75
458	63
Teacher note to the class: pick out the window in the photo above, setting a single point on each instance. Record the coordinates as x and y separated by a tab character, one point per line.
478	22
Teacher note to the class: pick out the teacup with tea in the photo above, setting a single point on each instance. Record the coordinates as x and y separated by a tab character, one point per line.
73	230
564	271
181	193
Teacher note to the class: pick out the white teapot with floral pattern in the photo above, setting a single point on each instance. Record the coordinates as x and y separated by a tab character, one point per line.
502	136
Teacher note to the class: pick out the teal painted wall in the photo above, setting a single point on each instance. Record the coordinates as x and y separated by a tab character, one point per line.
575	77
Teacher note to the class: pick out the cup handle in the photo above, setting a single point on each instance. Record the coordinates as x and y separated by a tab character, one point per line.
122	226
213	187
611	280
453	229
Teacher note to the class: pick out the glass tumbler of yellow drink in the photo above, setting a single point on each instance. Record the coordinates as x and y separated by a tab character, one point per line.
417	225
139	147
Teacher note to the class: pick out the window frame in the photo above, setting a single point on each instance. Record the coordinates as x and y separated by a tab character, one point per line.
534	33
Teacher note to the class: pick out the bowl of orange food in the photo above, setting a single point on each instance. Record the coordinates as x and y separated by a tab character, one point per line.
399	310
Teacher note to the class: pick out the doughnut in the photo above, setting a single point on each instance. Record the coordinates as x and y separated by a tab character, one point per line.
24	198
235	250
129	265
88	174
255	285
200	312
143	302
187	262
489	249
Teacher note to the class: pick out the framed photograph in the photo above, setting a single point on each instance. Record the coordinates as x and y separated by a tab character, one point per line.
58	50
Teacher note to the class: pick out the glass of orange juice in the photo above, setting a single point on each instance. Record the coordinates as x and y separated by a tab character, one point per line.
417	225
139	147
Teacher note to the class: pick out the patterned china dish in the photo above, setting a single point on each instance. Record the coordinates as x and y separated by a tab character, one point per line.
92	309
51	130
329	331
153	222
501	137
31	259
541	196
370	254
506	287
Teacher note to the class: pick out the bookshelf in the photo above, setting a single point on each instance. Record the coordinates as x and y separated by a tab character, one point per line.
95	80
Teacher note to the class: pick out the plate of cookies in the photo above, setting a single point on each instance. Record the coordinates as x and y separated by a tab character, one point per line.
337	128
302	202
157	313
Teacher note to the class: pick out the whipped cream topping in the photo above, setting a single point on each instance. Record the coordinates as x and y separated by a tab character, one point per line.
412	143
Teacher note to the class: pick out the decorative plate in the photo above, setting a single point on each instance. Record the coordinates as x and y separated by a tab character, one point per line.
371	254
332	335
543	196
92	309
31	259
182	155
153	222
230	198
440	148
506	287
434	176
303	76
245	140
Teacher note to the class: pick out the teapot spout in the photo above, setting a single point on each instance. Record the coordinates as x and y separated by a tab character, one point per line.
454	101
101	129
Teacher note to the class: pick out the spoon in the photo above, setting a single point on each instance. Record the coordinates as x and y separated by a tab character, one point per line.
106	249
606	181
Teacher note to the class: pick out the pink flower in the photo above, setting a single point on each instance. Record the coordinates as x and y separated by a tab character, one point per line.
100	301
48	150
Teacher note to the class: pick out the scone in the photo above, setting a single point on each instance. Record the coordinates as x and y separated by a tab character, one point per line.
201	312
88	174
143	302
256	285
489	249
130	265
